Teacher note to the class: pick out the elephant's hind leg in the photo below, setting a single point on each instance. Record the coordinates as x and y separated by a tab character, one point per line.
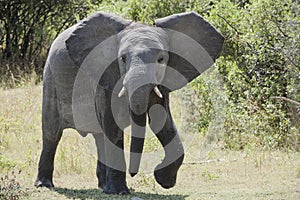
101	167
46	163
52	132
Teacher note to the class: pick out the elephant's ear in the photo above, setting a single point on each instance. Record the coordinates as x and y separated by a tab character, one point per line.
91	32
194	46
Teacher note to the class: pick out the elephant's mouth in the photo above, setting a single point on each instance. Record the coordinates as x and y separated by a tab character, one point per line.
139	97
155	89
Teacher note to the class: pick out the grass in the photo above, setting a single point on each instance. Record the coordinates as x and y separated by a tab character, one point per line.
222	174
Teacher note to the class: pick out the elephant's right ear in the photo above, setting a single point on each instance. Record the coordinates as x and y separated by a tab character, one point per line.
92	31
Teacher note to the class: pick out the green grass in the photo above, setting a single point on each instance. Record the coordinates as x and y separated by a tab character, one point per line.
222	174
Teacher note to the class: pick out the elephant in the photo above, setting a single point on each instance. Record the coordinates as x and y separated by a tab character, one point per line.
106	73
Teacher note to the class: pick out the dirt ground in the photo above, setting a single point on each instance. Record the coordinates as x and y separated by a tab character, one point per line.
222	174
227	175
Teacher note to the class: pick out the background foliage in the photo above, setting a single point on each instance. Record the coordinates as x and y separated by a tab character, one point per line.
260	60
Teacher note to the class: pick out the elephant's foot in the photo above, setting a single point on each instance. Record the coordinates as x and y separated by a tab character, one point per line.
116	188
101	182
101	174
166	176
43	182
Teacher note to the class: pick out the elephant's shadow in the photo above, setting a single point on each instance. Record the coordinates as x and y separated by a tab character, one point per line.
98	194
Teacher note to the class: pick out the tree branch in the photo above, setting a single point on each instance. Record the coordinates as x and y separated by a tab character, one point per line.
286	99
227	22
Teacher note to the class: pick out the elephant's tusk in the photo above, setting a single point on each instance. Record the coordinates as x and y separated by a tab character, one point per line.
156	90
122	92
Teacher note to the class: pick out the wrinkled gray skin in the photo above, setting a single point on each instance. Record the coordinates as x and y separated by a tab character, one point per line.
133	50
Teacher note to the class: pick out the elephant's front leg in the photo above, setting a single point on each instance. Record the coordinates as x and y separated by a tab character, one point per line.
161	122
114	157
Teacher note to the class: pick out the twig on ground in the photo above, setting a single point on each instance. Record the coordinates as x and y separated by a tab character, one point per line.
207	161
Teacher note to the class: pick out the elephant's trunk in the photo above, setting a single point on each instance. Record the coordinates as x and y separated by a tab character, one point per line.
138	93
138	100
138	128
139	81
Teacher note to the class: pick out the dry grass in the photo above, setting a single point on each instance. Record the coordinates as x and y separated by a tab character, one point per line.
220	175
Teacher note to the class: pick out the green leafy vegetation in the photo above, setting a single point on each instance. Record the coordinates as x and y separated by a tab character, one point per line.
260	54
208	175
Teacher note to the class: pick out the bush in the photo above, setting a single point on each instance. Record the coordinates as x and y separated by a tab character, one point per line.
10	188
262	38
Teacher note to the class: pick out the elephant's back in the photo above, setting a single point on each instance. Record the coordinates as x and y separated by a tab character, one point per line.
58	57
63	74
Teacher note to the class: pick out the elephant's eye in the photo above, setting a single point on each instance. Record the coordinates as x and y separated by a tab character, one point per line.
160	60
123	59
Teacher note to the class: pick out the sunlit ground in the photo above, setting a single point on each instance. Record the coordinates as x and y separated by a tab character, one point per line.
220	174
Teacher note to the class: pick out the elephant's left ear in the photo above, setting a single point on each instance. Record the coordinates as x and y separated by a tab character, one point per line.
194	46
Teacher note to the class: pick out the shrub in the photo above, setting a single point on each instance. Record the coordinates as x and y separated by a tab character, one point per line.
10	188
258	57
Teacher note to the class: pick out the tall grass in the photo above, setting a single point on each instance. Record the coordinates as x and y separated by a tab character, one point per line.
20	136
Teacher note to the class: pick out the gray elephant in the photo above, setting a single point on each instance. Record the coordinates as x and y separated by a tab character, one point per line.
106	73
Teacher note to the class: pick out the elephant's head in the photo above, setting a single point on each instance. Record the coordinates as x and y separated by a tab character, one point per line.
143	58
148	62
